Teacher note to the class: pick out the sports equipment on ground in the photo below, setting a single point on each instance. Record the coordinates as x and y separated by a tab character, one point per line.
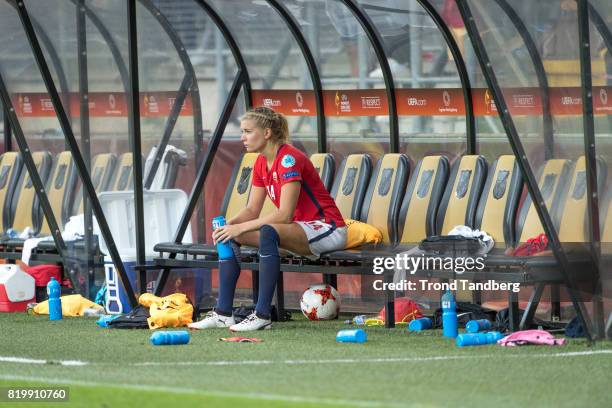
320	302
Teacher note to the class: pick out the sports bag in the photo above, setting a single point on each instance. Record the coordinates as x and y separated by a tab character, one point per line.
135	319
452	245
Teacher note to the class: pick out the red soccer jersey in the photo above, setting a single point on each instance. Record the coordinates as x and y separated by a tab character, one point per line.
290	164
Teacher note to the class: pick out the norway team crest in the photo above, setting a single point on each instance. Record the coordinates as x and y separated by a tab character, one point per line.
288	161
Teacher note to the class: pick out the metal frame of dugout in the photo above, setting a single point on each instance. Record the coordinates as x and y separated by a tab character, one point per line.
36	36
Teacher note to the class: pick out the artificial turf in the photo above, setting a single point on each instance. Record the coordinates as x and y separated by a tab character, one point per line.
297	364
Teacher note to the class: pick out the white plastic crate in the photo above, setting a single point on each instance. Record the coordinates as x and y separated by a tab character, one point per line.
162	214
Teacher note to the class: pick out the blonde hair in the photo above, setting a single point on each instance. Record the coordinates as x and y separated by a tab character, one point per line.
267	118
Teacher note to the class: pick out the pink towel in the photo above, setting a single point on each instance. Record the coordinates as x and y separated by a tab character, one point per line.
538	337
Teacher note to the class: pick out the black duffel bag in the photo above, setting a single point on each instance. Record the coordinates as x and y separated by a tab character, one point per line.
451	245
135	319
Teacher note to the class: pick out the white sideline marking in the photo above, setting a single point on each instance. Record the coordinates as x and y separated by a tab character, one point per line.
195	391
580	353
367	360
300	362
21	360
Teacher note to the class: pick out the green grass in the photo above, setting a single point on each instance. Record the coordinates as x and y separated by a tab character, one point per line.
298	364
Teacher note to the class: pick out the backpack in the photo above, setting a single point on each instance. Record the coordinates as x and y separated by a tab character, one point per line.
575	329
451	245
405	310
502	322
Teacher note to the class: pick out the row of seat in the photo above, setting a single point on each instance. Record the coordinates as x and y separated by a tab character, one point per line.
431	200
20	204
435	197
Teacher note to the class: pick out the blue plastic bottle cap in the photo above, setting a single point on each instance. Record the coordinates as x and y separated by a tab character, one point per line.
472	326
218	221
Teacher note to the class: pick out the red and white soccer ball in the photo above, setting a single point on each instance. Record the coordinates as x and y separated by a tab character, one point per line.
320	302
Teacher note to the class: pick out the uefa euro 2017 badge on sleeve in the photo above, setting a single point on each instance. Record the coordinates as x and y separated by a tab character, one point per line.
288	161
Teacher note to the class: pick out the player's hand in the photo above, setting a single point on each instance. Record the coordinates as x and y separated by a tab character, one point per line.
225	233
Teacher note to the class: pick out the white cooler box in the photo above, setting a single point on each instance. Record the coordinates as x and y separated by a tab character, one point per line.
16	289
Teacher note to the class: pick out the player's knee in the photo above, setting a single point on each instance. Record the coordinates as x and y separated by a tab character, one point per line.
240	239
268	241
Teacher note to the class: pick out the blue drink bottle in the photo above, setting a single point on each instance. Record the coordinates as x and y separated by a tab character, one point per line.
475	326
55	303
224	249
352	336
423	323
478	339
449	315
162	338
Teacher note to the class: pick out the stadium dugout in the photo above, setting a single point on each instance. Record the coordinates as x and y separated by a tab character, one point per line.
417	118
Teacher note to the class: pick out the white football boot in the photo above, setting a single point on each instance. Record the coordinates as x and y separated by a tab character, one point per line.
213	320
251	323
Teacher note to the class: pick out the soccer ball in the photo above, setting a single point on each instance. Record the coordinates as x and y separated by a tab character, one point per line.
320	302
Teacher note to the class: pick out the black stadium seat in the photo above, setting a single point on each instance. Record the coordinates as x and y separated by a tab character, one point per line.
417	218
123	178
460	199
553	183
325	165
25	206
381	204
497	206
350	184
101	171
11	166
574	214
60	191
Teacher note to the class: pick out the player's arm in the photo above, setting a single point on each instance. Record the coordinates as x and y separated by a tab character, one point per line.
290	192
253	208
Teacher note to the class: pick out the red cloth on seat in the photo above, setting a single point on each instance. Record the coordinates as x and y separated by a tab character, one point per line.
532	246
42	273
